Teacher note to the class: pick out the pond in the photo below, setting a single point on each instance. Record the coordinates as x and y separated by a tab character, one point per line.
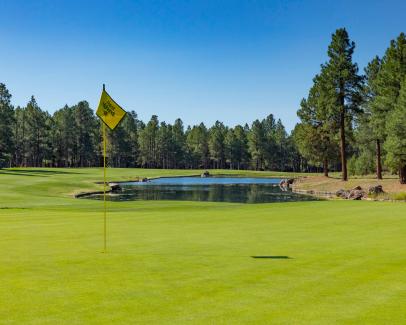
215	189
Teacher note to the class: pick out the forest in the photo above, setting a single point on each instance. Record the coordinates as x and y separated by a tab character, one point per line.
350	122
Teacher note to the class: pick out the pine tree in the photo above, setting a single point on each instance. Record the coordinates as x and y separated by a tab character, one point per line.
165	145
346	87
36	133
217	148
6	126
372	119
148	143
315	135
386	84
396	135
243	156
364	148
231	148
122	142
64	141
131	127
85	138
257	144
280	137
270	149
198	146
179	143
19	130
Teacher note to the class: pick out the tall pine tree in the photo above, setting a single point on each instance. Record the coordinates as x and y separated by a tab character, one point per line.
346	87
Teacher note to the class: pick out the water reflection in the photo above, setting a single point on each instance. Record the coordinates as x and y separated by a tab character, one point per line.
185	180
241	193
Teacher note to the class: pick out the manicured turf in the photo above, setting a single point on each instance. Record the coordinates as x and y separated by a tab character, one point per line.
191	262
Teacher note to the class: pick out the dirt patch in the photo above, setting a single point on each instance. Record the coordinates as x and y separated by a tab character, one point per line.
333	184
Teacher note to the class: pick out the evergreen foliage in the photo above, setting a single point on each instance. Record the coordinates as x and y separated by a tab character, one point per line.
345	88
396	139
344	114
6	124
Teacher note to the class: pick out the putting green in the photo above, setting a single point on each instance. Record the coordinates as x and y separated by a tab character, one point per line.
191	262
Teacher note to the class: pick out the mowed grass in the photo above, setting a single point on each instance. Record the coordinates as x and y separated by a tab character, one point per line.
191	262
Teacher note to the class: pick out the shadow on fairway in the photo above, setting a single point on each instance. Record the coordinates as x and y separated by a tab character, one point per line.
34	172
276	257
20	174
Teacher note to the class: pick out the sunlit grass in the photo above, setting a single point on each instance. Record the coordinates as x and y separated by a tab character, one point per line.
191	262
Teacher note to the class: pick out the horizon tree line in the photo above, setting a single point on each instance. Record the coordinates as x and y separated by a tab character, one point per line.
350	122
71	137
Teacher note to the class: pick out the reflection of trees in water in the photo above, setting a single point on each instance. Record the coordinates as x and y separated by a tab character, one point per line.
263	194
219	194
253	194
239	193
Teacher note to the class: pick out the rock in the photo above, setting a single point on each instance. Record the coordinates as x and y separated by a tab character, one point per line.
205	174
342	194
286	182
115	188
144	180
357	188
356	195
377	189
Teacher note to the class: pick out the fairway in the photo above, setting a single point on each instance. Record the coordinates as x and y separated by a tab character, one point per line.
168	262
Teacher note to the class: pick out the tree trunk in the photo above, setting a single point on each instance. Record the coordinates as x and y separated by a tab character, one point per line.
378	160
402	174
325	167
344	176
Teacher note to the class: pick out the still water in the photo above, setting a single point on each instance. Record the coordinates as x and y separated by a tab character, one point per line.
215	189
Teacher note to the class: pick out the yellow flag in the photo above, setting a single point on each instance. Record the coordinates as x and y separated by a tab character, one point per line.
109	111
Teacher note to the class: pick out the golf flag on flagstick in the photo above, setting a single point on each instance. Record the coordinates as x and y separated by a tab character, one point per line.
109	111
111	114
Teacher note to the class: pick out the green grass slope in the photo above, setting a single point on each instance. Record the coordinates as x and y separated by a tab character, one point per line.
191	262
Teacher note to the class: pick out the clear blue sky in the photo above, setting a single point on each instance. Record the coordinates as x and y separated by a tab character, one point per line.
234	61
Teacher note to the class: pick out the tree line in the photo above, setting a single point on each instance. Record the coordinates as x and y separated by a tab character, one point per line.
357	116
349	122
71	137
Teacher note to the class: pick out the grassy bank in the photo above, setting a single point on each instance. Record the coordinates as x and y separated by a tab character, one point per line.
192	262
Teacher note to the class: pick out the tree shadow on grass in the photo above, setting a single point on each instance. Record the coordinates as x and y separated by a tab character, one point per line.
20	174
273	257
34	172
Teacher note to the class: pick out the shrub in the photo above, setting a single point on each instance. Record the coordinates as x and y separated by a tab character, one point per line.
401	196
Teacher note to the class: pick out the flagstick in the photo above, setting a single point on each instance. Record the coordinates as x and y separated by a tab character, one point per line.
104	185
110	113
